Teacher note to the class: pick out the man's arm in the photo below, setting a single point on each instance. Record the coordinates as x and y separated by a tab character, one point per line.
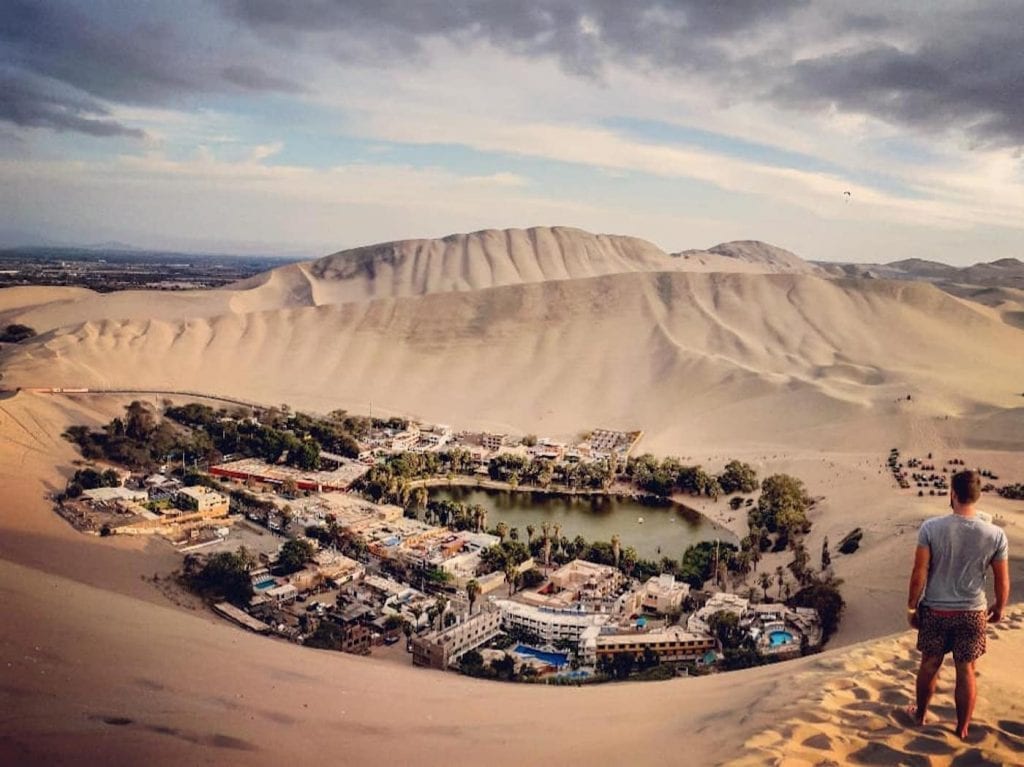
1001	582
918	580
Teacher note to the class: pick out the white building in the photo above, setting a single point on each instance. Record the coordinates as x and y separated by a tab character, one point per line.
720	602
436	436
477	541
404	440
115	495
549	624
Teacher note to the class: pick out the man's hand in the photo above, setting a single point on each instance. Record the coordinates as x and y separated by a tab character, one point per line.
912	619
995	614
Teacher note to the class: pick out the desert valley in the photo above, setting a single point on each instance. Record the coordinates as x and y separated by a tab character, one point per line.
740	352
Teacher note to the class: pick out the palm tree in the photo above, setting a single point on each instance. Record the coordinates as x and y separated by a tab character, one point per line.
780	578
514	533
502	531
755	548
743	560
472	592
556	530
417	613
530	530
510	577
545	528
764	580
616	548
629	559
441	603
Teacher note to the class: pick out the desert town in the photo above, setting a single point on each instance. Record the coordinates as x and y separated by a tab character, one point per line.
325	566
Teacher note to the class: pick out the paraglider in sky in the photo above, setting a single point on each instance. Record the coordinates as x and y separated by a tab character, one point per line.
847	196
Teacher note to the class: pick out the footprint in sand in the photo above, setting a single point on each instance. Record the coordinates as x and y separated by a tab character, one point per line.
821	741
1014	728
894	697
881	754
923	744
974	758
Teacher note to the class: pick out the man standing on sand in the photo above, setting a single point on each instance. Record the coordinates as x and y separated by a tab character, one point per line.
947	603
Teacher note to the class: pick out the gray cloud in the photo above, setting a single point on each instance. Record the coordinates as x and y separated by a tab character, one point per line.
930	67
583	34
90	53
27	102
971	77
253	78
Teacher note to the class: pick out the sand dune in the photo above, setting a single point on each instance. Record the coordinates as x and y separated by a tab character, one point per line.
755	256
854	714
460	262
779	359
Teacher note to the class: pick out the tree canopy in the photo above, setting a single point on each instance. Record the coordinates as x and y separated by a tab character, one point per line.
782	507
295	553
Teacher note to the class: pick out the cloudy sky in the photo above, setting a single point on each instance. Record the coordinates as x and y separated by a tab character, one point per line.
311	125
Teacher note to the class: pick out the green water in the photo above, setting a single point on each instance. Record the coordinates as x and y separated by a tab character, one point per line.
669	527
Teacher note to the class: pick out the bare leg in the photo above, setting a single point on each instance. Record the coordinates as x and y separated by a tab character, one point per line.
927	678
966	693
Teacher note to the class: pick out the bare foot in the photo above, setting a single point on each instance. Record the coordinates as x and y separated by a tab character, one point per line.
911	711
962	732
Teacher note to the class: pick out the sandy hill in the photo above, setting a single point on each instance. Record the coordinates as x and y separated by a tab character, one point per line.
460	262
785	359
1002	273
754	256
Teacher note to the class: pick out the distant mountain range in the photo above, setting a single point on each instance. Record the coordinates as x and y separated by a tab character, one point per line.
1003	273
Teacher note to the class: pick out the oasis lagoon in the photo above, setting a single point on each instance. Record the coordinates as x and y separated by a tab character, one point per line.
667	528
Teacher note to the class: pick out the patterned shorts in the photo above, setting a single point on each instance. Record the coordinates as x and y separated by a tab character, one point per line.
962	632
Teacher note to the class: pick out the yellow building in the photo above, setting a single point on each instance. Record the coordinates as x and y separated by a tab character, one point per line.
203	500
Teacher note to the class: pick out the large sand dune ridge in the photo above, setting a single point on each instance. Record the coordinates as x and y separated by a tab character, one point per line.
460	262
784	355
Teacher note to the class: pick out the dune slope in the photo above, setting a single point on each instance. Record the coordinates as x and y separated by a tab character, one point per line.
459	262
781	358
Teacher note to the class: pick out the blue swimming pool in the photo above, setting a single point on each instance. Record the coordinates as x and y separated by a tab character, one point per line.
556	659
780	638
266	583
577	674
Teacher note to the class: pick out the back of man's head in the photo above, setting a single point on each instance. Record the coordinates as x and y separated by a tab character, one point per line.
966	486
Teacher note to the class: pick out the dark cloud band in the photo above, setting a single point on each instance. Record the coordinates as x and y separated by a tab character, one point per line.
929	67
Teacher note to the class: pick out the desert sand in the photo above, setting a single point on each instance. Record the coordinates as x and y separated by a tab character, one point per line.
761	360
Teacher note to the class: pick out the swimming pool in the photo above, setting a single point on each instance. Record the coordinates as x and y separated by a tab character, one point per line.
780	638
556	659
266	583
577	674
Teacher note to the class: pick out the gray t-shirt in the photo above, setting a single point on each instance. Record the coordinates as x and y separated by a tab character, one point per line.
962	549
